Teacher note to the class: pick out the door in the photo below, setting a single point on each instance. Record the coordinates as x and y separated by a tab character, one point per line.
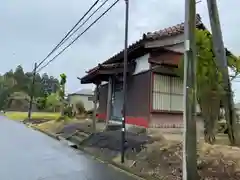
117	103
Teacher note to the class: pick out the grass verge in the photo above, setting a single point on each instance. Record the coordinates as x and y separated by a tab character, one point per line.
19	116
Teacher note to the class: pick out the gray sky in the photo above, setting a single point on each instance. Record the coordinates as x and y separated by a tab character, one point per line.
30	29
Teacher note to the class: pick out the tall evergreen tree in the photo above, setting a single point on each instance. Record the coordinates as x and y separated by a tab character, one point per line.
20	81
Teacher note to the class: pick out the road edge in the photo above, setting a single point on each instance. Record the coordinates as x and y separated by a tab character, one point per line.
99	159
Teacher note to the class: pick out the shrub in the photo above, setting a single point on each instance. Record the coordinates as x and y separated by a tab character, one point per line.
80	107
89	112
68	111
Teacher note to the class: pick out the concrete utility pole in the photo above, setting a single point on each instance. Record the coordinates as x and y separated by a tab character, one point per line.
125	80
109	100
189	115
221	61
32	92
95	101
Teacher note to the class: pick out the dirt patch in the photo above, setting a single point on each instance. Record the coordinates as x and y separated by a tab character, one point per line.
112	140
85	127
103	153
155	156
163	158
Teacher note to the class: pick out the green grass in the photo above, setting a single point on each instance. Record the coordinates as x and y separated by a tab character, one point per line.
35	115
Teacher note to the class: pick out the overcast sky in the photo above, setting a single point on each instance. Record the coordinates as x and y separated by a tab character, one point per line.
29	29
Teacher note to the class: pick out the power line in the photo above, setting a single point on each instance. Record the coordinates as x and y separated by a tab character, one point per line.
79	35
60	43
85	21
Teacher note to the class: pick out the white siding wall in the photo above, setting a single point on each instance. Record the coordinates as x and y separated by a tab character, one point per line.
177	48
104	82
142	64
167	93
88	105
167	42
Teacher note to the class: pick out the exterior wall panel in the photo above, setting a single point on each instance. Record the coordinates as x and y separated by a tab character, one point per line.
142	64
161	90
138	95
176	94
161	102
167	93
177	48
164	57
102	109
173	123
88	104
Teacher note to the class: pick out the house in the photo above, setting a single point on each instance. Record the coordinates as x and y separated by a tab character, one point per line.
237	109
83	95
154	91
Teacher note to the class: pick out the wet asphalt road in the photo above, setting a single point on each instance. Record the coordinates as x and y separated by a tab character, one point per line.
27	154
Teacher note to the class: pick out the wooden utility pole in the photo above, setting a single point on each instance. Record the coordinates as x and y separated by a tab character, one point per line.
221	61
125	80
32	92
189	115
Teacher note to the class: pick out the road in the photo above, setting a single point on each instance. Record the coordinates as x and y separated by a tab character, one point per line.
30	155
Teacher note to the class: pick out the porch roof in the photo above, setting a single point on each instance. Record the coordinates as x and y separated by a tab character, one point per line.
103	71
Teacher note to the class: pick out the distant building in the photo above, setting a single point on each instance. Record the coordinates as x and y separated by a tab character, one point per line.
83	95
237	109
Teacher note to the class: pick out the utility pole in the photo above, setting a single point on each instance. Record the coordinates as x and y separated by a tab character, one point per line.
32	92
125	81
109	100
95	101
221	61
189	115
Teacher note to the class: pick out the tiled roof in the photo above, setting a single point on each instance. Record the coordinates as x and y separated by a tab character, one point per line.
171	31
131	48
106	66
83	92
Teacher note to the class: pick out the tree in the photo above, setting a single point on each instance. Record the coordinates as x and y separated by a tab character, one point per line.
209	82
20	81
7	82
62	90
53	102
41	103
79	107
